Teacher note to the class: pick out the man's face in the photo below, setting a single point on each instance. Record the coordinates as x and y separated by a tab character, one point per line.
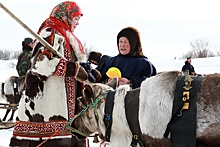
124	46
189	60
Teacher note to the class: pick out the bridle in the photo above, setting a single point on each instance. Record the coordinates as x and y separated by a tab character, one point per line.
96	102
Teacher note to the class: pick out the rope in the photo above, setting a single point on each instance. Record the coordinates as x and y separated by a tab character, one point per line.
92	105
77	131
103	142
56	132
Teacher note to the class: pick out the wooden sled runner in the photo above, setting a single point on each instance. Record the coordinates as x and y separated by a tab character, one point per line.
9	124
8	106
6	125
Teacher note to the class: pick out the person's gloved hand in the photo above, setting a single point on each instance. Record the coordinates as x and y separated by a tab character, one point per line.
88	68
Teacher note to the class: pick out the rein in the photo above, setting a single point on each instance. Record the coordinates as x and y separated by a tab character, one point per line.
97	101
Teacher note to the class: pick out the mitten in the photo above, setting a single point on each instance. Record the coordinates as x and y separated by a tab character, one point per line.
74	69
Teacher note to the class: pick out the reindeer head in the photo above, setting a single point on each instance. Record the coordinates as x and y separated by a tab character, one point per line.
89	107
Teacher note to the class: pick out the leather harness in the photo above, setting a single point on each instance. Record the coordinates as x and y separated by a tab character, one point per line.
182	125
131	112
16	94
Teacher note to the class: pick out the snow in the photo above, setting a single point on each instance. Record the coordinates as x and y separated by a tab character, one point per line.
201	65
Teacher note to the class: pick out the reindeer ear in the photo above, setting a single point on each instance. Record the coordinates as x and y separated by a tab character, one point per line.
113	83
88	92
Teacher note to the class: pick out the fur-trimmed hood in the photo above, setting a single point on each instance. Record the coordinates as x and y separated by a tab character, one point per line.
133	35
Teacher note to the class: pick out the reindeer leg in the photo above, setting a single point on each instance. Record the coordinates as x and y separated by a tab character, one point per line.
6	114
12	115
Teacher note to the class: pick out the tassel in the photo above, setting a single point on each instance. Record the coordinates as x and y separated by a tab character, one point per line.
96	139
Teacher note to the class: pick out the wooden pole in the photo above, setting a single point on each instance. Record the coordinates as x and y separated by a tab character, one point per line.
38	37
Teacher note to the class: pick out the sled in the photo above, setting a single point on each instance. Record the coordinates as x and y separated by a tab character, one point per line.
6	125
9	124
8	106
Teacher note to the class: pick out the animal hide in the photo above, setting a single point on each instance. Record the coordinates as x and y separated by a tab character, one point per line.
48	101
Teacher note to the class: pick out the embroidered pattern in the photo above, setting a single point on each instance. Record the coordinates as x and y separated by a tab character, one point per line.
41	129
61	68
71	95
70	86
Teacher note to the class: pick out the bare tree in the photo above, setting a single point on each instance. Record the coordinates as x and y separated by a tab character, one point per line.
200	49
217	51
188	54
7	55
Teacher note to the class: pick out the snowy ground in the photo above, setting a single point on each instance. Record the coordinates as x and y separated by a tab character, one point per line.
202	66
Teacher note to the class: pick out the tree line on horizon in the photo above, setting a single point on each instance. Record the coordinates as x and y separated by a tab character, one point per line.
200	48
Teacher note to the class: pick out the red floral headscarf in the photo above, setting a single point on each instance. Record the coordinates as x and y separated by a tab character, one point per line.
61	18
65	12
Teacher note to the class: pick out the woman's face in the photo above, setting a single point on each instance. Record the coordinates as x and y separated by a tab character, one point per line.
124	46
75	22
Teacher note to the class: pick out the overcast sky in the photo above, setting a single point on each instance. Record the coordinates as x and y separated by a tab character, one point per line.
166	26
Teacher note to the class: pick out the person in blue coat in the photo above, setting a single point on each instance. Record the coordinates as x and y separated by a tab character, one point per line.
134	66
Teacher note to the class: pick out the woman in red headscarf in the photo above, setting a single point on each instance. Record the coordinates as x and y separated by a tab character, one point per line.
53	99
64	19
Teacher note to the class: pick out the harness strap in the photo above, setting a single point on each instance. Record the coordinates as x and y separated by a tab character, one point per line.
16	94
167	131
182	124
132	114
178	94
3	85
109	104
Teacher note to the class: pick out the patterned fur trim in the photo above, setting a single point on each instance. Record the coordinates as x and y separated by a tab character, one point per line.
71	96
39	130
61	68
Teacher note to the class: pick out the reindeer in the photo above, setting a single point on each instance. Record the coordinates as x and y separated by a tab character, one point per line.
11	91
154	102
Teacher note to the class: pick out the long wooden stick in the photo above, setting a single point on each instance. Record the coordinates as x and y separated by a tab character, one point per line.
38	37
